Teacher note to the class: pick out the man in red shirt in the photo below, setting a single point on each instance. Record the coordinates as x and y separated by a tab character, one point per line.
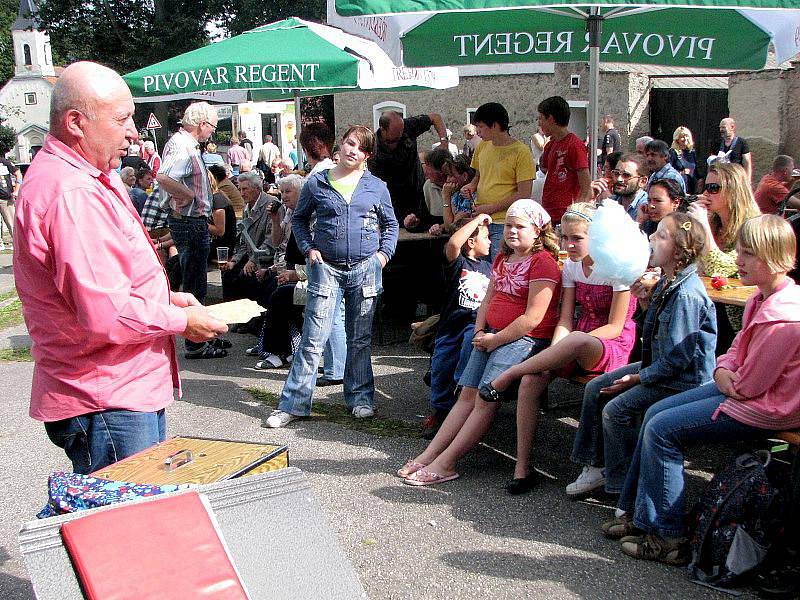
774	186
565	160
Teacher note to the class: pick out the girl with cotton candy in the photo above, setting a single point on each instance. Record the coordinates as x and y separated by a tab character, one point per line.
678	340
600	340
516	319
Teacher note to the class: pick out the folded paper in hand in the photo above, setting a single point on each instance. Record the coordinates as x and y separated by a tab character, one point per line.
237	311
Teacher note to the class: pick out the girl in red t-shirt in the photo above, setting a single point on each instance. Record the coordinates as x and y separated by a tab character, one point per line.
516	319
598	341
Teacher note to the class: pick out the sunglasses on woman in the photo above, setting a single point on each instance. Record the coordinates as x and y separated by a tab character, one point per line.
712	188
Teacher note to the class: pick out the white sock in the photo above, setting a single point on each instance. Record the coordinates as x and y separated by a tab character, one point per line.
618	513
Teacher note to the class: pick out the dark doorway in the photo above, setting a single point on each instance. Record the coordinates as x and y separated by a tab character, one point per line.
700	110
270	126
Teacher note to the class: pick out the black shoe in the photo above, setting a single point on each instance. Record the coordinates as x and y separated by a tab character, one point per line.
325	382
221	343
522	485
426	379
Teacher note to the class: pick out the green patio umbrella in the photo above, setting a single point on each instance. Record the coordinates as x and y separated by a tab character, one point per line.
280	61
668	32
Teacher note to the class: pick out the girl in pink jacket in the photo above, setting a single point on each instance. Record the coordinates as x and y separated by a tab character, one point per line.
755	392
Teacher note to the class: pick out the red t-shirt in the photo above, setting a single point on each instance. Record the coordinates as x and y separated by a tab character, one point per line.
562	159
769	193
511	284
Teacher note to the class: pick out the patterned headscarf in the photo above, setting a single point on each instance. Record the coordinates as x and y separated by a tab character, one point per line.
529	210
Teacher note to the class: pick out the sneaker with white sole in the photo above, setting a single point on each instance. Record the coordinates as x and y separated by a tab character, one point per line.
590	479
363	412
279	418
270	361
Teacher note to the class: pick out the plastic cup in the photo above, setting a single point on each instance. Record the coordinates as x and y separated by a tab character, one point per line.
222	255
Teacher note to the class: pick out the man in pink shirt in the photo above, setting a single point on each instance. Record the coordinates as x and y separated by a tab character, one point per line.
95	297
236	155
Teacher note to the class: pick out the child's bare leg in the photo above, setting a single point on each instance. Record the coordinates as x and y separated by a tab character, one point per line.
452	425
577	346
530	389
475	427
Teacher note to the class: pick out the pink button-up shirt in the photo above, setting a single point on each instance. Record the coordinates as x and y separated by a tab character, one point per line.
95	297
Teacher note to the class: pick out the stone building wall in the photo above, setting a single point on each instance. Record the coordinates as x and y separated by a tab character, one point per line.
621	94
765	105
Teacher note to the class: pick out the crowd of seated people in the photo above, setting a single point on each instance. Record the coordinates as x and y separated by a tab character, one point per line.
512	323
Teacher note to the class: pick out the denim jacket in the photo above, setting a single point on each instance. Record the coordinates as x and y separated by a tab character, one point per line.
345	234
679	335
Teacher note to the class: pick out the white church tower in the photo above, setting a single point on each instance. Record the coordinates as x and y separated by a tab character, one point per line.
32	55
26	96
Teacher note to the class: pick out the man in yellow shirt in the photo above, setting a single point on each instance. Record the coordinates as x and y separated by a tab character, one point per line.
503	169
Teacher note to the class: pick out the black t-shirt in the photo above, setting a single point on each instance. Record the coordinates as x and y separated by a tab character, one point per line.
466	281
610	140
400	168
220	201
7	178
137	162
737	149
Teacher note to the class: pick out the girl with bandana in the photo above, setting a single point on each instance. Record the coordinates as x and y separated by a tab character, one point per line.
516	319
598	341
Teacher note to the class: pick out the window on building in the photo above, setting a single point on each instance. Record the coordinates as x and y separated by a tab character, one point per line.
382	107
471	115
26	50
30	98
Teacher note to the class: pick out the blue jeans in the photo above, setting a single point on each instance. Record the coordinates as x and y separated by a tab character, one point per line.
482	367
496	236
607	435
448	352
190	235
654	486
327	285
95	440
336	347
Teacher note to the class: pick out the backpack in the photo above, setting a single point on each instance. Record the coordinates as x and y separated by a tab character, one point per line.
739	515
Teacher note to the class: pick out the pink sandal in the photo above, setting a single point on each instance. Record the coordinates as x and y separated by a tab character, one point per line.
409	468
425	477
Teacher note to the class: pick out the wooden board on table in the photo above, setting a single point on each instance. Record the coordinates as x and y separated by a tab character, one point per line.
736	295
213	460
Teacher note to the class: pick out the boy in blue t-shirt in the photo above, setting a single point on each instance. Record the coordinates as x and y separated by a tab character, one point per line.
467	278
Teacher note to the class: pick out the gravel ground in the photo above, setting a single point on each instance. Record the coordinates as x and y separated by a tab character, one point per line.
465	539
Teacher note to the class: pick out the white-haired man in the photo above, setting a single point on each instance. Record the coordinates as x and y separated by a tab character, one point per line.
184	184
95	297
151	156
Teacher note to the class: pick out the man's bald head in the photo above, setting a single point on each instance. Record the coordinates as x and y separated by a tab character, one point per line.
82	86
91	111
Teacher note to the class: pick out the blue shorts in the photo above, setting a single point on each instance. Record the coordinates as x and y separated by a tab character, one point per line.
483	367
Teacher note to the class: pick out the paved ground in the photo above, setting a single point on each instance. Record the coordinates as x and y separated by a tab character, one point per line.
466	539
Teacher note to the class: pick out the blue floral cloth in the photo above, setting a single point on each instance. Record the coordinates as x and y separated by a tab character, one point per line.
71	492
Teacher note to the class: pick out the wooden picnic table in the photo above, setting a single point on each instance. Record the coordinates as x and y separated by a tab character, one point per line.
736	295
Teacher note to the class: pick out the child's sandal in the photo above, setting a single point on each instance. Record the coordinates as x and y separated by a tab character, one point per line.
488	393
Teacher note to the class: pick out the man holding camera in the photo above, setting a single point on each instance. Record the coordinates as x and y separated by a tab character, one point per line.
239	275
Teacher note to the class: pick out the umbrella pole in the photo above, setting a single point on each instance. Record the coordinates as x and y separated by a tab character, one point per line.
594	26
298	149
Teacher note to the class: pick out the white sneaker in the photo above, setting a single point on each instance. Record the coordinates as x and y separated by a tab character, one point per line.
363	412
279	418
270	361
590	479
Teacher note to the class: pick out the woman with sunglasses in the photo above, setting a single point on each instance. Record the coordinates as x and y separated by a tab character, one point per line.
726	203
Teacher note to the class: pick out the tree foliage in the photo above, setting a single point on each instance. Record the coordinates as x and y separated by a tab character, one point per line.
129	35
8	14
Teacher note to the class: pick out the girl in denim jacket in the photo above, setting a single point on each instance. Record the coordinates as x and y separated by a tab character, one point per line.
678	341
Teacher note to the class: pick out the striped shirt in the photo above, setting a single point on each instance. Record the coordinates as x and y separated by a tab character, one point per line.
182	162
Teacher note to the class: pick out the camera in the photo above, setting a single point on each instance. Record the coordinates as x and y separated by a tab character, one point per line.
275	206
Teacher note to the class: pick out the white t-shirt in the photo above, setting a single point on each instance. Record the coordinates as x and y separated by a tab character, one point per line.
573	273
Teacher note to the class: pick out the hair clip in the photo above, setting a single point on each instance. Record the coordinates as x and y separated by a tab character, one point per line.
687	226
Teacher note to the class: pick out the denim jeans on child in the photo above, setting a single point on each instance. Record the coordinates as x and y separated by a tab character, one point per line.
327	285
95	440
654	486
607	434
447	354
